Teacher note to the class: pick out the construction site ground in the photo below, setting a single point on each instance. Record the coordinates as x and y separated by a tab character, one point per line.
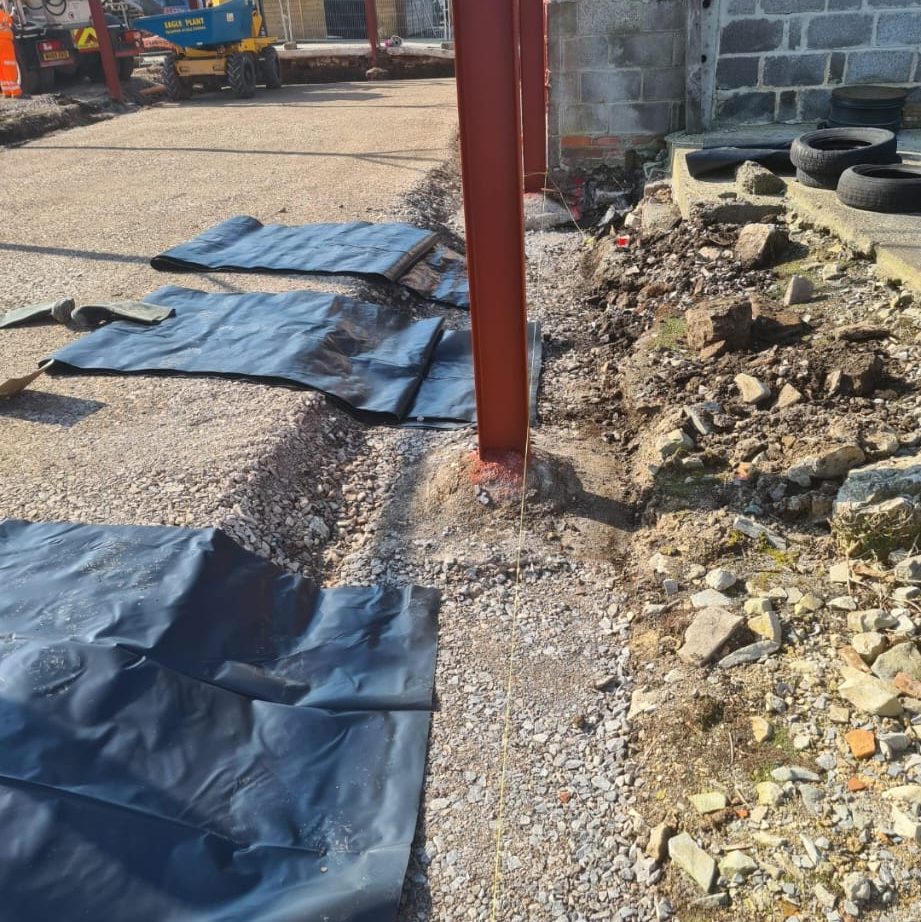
653	478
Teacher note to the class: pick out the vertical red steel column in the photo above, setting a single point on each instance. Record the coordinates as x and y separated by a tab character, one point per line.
486	34
371	23
106	52
534	92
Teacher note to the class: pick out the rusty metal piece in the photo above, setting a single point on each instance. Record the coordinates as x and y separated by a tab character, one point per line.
371	23
106	52
533	18
486	35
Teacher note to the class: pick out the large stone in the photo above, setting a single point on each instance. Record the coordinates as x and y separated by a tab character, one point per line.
706	634
769	793
870	695
674	443
789	396
751	389
909	570
766	625
903	657
857	376
709	802
727	320
799	291
710	598
693	860
755	179
720	579
737	864
878	507
760	245
869	644
750	654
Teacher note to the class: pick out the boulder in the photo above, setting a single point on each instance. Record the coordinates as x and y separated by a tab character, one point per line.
760	245
878	507
857	376
755	179
693	860
709	630
726	320
799	291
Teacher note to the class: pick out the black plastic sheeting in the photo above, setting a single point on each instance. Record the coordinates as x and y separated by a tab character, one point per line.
707	160
189	734
376	251
379	364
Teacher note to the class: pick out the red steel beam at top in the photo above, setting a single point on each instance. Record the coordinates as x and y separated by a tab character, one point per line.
534	92
106	52
371	24
486	60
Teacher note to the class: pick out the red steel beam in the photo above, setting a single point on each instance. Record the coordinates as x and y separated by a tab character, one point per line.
106	52
534	92
371	23
486	60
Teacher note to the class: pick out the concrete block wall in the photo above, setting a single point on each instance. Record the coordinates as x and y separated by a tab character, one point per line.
778	60
617	76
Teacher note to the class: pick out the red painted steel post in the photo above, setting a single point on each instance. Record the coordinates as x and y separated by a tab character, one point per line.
371	23
489	110
534	92
106	52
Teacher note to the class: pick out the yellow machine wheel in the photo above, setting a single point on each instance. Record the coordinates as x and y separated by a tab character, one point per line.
241	74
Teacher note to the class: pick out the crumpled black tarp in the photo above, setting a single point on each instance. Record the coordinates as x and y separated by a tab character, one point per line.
189	734
388	251
773	156
379	364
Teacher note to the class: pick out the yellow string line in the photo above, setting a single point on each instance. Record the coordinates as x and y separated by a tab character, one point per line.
516	609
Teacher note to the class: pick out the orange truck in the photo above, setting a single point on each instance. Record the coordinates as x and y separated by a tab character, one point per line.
55	39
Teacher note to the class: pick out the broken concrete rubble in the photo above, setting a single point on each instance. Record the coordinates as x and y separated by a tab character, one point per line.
878	507
760	245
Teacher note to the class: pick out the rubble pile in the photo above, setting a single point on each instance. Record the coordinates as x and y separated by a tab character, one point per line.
761	383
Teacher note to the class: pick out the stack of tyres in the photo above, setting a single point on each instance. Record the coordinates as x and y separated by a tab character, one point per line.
820	157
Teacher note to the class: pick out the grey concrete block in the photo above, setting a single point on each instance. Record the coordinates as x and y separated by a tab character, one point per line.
882	66
740	7
666	15
898	29
844	30
794	32
610	86
736	73
564	88
747	108
792	6
644	49
837	6
836	61
585	119
585	52
787	105
814	104
794	70
663	83
610	16
563	19
680	42
746	35
891	4
648	118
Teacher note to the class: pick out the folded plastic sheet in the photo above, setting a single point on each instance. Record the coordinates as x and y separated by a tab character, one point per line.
376	251
369	357
380	365
447	391
707	160
189	734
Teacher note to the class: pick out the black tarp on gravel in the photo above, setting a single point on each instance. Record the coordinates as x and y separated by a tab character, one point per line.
376	251
189	734
381	365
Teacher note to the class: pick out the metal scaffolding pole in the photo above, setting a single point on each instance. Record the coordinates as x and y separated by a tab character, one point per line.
534	92
486	42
